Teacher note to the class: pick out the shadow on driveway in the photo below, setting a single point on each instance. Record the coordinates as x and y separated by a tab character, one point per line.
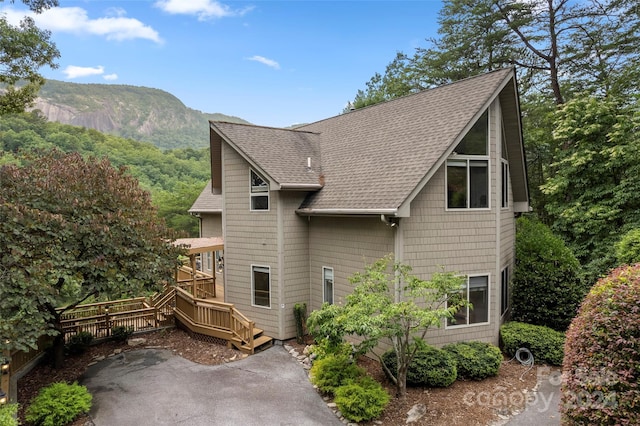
156	387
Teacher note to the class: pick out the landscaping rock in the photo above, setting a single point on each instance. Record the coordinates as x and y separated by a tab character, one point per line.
138	341
416	413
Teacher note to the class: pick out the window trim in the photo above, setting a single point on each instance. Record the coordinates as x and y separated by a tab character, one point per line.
324	286
488	322
505	309
504	183
253	288
255	194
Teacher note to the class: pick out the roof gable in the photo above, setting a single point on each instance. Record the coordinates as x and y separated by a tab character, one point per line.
207	201
375	159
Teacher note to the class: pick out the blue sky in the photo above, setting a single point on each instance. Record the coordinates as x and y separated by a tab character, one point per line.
273	63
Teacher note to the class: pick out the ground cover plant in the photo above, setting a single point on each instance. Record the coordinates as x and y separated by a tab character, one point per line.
58	404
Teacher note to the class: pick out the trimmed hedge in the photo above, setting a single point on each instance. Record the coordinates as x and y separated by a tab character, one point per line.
8	415
602	354
546	345
430	367
475	360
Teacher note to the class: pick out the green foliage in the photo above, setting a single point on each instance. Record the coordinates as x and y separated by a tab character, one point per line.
602	354
361	400
326	347
121	333
547	283
628	248
475	360
333	371
594	194
300	315
175	178
58	404
546	345
8	415
79	343
372	313
71	229
24	49
429	367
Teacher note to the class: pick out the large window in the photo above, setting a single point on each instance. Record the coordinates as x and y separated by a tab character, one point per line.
504	291
468	169
261	286
327	285
259	192
504	163
476	292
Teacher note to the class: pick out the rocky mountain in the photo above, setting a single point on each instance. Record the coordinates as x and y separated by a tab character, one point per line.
139	113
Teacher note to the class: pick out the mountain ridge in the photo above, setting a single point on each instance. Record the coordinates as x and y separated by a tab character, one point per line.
141	113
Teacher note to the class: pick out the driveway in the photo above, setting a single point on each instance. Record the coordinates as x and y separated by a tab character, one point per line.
156	387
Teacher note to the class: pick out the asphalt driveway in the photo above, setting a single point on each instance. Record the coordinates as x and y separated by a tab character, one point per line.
156	387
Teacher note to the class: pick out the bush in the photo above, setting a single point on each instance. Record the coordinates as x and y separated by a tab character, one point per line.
475	360
628	248
547	284
79	343
333	371
546	345
8	415
602	354
361	400
121	333
430	367
58	404
326	347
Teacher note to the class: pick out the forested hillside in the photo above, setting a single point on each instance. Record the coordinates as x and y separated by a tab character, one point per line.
139	113
174	177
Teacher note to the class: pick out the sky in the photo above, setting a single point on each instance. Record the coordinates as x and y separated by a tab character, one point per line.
272	63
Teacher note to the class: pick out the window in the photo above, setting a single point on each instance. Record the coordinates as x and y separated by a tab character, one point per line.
468	169
327	285
504	163
504	290
259	192
505	183
261	286
476	292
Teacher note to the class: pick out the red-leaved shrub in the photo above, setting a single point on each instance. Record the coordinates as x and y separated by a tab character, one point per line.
601	366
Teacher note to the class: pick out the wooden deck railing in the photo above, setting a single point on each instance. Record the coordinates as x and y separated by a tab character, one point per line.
213	318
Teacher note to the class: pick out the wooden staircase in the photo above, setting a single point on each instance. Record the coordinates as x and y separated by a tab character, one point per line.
260	342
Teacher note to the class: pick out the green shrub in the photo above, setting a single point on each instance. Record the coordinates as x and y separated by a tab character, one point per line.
79	343
300	315
475	360
58	404
547	287
430	367
326	347
628	248
602	354
333	371
546	345
361	400
121	333
8	415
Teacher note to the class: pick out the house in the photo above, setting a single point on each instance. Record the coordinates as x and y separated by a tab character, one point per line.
208	208
436	177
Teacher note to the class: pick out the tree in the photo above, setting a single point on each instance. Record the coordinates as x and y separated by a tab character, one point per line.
593	196
72	229
23	50
388	302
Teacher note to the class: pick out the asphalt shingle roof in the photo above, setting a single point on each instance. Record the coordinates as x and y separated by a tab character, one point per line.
207	202
371	158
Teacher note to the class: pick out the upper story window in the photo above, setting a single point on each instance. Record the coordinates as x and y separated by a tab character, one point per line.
259	192
504	165
327	285
468	169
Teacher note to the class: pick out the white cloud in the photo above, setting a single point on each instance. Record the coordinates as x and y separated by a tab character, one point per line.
203	9
268	62
110	77
73	71
76	21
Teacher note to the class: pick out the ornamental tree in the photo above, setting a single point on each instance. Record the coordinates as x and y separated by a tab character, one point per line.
72	229
388	302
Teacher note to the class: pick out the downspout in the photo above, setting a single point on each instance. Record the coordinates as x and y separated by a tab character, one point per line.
398	247
280	253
